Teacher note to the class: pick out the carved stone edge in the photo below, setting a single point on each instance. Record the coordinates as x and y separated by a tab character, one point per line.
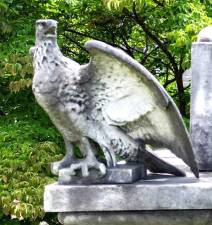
156	193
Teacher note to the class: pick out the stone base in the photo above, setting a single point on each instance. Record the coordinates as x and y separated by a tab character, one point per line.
175	217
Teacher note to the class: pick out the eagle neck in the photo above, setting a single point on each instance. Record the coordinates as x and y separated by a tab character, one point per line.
46	51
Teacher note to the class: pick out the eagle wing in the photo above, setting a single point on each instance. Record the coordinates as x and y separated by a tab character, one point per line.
125	94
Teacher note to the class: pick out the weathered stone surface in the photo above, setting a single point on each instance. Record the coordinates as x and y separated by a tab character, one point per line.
164	217
201	104
125	174
121	174
156	193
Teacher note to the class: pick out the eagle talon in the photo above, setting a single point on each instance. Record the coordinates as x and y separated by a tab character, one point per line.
85	165
64	163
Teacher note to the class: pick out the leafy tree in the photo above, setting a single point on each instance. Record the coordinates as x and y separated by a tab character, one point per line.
156	33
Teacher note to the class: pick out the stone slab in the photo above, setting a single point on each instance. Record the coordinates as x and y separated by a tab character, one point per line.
201	104
178	217
157	193
122	174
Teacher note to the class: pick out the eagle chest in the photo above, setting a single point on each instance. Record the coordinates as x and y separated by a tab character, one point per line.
46	80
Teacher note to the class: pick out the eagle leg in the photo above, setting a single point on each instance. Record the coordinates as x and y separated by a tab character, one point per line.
90	161
66	161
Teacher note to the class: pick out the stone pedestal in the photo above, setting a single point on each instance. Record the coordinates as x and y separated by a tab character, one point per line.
201	104
160	199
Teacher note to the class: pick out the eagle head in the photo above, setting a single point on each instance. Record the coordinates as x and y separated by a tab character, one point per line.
46	29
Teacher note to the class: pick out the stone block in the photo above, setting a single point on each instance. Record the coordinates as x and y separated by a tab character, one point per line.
123	173
201	104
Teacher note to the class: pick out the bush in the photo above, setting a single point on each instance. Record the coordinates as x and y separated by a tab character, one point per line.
28	143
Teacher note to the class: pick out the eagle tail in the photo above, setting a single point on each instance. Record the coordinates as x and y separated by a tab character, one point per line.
158	165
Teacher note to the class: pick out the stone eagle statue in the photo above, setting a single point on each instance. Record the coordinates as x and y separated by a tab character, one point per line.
112	103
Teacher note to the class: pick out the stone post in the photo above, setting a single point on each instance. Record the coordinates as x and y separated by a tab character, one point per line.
201	100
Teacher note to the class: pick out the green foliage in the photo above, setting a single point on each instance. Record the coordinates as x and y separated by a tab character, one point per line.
176	23
28	143
18	70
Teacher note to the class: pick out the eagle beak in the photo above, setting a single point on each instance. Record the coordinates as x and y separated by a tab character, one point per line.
51	32
47	26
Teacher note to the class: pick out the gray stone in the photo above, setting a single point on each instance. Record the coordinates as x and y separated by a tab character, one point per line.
43	223
168	156
112	103
187	78
205	35
201	104
163	192
123	173
161	217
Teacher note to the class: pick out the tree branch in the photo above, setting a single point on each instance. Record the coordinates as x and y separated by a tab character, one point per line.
147	55
128	48
69	50
177	94
140	21
92	37
169	82
76	43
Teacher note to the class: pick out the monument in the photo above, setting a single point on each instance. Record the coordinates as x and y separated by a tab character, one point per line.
201	102
113	105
